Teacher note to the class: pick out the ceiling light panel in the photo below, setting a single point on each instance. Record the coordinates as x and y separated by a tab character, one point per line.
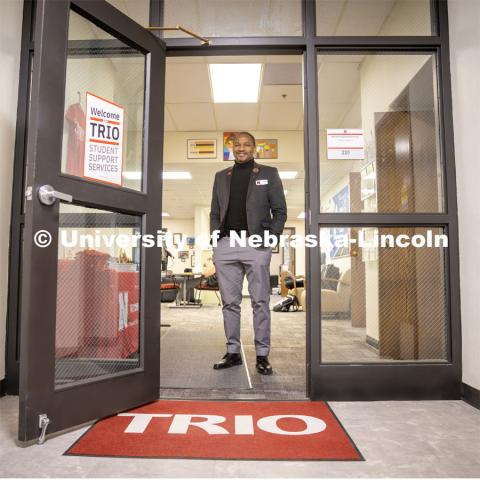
177	176
288	175
235	82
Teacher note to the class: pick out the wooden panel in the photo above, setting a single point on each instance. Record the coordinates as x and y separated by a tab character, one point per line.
411	292
358	302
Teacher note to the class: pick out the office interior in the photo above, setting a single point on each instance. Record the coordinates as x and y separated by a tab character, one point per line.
196	112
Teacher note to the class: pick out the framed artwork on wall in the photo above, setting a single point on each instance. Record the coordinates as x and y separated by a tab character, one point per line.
228	139
177	239
183	255
267	148
201	149
190	242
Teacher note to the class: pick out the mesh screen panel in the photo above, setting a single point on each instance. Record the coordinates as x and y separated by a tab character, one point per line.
98	295
373	17
387	303
234	18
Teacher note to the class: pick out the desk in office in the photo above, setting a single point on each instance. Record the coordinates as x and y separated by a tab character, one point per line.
188	282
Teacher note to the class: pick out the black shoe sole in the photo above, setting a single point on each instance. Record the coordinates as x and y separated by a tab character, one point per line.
263	372
224	366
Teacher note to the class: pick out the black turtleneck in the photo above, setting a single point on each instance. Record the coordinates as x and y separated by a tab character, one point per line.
236	217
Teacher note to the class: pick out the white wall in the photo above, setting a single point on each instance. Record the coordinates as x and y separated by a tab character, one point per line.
187	228
10	38
299	226
464	19
290	146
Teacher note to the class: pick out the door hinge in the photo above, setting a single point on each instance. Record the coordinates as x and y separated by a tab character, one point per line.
43	422
28	193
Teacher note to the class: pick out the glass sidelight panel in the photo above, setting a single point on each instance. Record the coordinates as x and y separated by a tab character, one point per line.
104	107
379	133
374	17
98	294
383	294
234	18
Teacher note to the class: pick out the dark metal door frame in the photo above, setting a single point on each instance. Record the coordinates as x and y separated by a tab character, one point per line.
329	381
84	401
17	217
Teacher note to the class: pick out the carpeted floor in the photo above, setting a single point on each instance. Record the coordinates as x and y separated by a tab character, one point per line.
188	353
287	355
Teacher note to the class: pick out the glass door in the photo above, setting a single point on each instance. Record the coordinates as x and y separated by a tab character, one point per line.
90	324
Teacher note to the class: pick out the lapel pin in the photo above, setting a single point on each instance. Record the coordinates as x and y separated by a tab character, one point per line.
255	170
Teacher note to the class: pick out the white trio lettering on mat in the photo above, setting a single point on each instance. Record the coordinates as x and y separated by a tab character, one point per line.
244	424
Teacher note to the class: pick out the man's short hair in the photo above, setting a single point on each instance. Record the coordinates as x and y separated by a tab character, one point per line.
246	134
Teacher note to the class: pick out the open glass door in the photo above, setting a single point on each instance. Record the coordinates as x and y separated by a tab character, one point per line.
90	324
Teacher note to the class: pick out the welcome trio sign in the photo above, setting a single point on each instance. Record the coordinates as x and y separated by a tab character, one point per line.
222	430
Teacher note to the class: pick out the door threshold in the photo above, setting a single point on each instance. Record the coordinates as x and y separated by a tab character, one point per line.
229	394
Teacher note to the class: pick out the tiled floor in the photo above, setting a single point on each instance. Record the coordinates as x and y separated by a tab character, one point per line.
397	439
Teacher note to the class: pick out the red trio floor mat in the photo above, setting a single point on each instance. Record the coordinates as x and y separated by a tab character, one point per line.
221	430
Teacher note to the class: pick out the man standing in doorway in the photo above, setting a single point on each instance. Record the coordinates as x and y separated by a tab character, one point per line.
247	197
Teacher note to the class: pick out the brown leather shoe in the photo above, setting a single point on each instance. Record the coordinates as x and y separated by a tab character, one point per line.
263	366
228	360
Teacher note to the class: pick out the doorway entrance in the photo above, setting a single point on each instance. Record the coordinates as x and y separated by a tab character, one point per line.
364	82
199	127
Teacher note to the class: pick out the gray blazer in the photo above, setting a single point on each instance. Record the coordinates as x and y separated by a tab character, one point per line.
266	205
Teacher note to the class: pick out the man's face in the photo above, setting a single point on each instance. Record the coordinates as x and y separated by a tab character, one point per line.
243	148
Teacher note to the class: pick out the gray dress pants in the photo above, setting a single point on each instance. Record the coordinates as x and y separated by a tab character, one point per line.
232	264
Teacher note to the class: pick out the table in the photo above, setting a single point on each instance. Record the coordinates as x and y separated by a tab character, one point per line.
187	281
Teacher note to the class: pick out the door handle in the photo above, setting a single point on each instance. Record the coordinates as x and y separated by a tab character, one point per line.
48	195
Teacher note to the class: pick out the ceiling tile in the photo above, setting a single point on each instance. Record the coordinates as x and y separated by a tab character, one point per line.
328	15
169	125
300	124
284	59
192	117
282	74
187	83
278	116
337	81
236	116
364	17
273	93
